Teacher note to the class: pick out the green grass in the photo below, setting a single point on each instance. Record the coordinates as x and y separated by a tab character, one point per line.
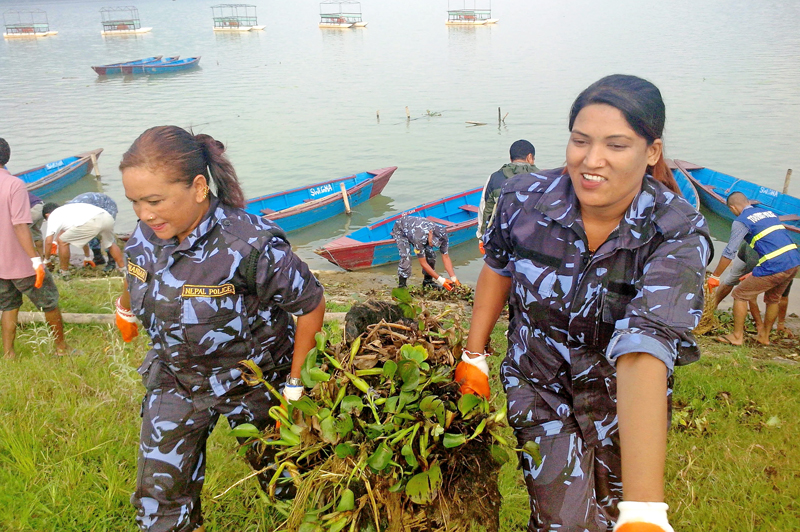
69	432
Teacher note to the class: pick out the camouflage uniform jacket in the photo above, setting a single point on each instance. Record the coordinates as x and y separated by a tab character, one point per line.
492	188
575	313
195	300
416	229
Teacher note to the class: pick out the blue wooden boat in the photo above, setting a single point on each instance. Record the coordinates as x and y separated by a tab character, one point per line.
300	207
52	177
715	187
688	191
140	68
116	68
373	245
168	66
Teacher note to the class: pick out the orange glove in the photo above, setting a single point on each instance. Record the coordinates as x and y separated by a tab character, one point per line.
480	247
126	322
38	267
87	261
447	284
713	282
473	375
642	517
455	281
54	249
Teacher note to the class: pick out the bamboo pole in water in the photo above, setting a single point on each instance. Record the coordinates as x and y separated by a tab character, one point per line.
786	181
346	199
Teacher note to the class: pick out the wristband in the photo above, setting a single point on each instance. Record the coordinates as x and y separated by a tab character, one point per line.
474	354
454	279
36	261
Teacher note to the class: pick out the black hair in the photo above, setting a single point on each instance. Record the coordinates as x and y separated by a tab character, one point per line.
5	152
521	149
641	104
49	207
183	156
736	198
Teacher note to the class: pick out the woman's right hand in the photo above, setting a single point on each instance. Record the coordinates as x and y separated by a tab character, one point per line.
126	322
473	375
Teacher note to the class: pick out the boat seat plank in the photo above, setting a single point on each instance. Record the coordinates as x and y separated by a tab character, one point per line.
268	211
469	208
789	218
440	221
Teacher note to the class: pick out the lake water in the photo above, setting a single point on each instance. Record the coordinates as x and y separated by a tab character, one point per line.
297	104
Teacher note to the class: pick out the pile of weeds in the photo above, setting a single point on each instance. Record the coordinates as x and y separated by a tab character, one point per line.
459	293
383	439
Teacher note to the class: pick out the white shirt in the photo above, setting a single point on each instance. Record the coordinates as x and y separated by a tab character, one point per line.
69	216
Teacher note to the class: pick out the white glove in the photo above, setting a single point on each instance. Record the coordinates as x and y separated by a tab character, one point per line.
292	393
479	362
440	280
631	513
36	262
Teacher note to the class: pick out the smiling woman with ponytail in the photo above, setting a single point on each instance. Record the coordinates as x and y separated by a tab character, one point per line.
602	263
212	286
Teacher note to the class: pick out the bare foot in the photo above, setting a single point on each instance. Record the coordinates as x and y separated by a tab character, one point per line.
10	355
762	339
729	339
782	330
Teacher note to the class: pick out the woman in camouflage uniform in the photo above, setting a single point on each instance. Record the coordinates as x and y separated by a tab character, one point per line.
603	261
213	286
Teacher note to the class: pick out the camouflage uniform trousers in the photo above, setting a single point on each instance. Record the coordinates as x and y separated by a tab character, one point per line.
404	248
577	487
172	451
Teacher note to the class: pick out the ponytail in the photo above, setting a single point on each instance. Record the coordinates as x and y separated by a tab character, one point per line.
661	173
182	157
221	171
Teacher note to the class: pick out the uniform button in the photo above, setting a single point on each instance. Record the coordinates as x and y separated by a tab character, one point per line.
226	223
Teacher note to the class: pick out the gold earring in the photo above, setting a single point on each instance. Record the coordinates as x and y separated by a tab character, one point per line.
205	191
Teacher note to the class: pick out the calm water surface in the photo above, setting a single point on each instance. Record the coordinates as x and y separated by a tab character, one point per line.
296	104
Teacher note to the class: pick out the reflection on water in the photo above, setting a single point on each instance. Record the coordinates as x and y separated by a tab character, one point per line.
296	104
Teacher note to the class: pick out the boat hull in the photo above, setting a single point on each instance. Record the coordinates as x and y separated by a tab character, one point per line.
713	188
373	245
116	68
166	67
50	178
312	211
31	34
125	32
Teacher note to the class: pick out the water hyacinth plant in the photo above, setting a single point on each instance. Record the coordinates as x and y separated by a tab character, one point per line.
383	439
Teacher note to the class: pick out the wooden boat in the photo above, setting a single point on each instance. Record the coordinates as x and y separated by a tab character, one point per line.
116	68
715	187
688	191
52	177
373	245
168	66
300	207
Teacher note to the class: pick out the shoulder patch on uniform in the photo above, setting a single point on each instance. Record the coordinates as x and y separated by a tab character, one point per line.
137	271
190	290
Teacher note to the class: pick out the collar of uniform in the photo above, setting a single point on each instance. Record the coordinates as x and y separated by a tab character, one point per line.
210	219
559	203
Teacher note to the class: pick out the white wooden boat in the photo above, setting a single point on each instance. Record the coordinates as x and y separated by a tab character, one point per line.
126	31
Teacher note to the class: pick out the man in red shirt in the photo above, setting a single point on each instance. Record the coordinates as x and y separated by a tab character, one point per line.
21	268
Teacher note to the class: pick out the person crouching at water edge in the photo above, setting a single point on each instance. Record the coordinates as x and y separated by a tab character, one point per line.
212	286
423	236
604	262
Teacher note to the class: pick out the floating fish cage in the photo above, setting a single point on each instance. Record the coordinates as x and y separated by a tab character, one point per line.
336	14
27	23
466	13
235	17
123	20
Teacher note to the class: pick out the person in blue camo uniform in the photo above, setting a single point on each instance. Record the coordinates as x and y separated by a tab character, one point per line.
107	203
212	286
604	264
423	237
